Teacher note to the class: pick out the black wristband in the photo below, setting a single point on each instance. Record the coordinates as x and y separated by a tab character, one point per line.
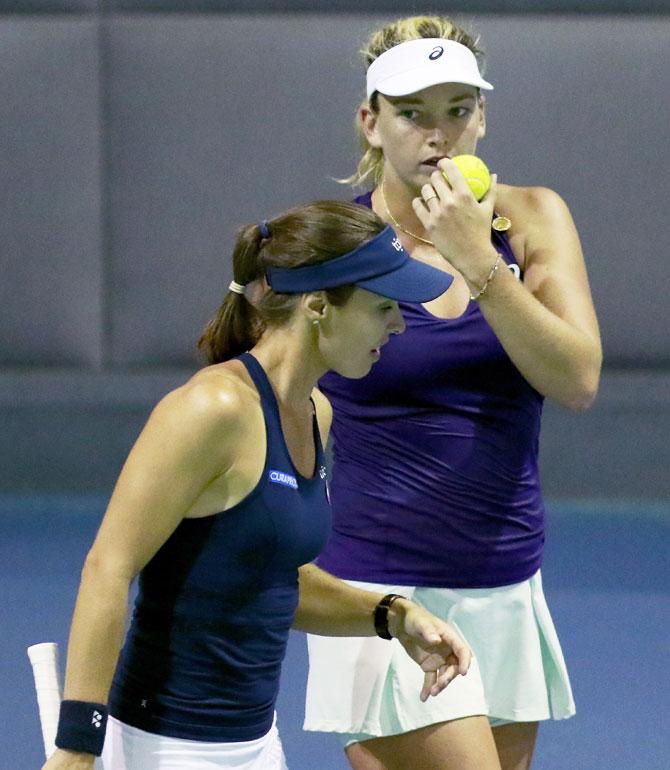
81	726
381	615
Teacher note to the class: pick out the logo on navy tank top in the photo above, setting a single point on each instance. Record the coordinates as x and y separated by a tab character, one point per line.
285	479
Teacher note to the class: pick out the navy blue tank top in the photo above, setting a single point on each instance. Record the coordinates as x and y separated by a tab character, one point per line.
215	604
435	479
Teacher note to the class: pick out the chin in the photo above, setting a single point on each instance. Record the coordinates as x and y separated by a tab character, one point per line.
354	372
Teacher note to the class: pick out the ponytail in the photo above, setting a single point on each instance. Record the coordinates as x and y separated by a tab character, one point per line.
306	235
237	326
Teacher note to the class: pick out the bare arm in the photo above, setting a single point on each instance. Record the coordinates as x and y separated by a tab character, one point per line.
183	447
547	325
331	607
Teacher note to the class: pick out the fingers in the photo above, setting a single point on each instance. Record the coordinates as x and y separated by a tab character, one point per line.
439	636
429	195
441	184
437	680
462	652
421	210
429	680
446	184
436	646
448	647
443	677
451	175
449	172
464	655
436	191
490	197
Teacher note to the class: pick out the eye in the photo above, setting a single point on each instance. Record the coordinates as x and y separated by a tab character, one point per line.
459	112
409	114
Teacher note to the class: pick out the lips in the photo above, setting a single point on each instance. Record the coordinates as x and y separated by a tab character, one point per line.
433	160
377	350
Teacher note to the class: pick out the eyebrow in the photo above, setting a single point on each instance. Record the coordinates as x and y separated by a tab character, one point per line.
414	100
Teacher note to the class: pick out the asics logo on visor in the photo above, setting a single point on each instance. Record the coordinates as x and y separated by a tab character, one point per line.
436	53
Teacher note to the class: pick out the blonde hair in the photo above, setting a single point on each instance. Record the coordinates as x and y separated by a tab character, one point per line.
370	166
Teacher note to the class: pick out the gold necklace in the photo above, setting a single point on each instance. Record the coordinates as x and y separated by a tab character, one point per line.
501	224
397	224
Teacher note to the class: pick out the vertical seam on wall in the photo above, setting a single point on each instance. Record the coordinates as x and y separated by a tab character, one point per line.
106	330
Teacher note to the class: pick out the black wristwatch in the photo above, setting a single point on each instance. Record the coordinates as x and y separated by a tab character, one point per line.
381	615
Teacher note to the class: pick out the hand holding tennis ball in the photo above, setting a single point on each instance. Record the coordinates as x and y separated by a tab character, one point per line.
475	172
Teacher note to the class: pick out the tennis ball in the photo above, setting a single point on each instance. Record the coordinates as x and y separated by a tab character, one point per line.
475	172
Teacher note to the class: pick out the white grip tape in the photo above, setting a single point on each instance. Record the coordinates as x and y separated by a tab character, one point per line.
44	660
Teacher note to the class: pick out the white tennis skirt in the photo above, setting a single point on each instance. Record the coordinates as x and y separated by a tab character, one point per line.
368	687
128	748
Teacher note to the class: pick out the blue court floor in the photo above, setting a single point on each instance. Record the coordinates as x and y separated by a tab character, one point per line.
607	581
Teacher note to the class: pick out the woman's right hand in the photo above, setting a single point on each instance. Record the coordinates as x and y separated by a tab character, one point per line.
457	224
62	759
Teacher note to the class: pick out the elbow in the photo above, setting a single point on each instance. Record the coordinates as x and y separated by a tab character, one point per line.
99	568
582	401
584	389
91	566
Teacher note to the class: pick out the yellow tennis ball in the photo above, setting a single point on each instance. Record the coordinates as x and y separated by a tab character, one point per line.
475	172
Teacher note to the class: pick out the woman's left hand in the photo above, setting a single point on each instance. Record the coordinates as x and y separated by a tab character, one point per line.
434	644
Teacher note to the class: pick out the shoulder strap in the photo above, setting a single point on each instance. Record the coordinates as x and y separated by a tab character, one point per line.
260	380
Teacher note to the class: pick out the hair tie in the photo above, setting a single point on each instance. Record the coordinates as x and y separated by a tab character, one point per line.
265	230
237	288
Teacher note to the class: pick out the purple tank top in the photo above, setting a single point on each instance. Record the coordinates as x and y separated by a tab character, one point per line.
435	475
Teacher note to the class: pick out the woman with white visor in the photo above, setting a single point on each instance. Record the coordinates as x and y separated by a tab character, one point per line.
435	488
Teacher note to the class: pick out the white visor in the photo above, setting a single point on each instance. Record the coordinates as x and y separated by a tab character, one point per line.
417	64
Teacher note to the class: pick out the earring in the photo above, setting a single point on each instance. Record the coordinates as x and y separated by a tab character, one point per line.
315	322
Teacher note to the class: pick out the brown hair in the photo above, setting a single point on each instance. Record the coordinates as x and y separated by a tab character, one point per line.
306	235
371	163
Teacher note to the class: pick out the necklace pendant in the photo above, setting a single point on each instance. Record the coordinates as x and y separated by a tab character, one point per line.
501	224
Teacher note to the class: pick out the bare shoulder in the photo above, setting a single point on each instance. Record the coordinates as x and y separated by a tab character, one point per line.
324	414
216	397
541	222
530	205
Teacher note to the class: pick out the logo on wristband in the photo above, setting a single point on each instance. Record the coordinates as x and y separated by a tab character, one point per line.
96	721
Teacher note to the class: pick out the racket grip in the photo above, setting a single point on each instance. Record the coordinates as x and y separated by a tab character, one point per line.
44	660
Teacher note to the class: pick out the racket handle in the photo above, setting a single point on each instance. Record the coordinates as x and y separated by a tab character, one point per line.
44	660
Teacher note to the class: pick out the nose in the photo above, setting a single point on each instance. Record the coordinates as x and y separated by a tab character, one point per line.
438	136
397	324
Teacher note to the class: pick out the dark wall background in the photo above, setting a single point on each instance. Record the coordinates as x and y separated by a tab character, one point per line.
135	139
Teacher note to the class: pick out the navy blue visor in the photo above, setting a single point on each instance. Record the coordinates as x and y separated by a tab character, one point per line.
380	265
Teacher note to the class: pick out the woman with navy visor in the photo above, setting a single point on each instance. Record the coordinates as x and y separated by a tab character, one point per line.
222	505
435	488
